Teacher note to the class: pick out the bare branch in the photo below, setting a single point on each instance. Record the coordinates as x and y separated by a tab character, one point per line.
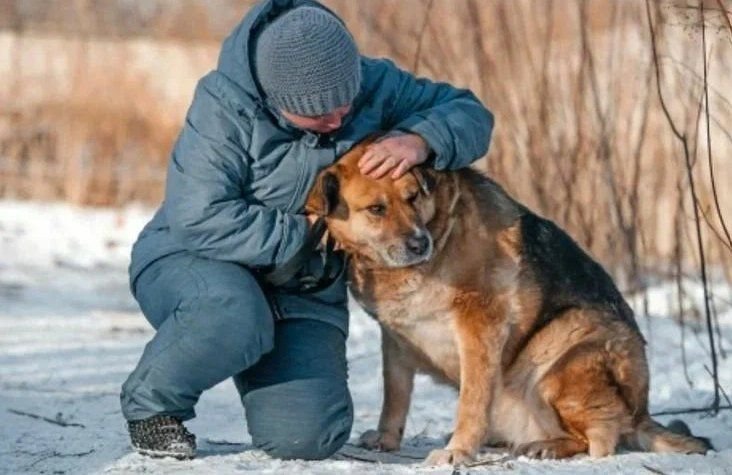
57	421
420	38
709	132
695	203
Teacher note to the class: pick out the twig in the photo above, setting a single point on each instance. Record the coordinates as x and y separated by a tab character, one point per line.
724	12
710	329
54	454
356	457
721	389
678	250
366	459
716	233
497	461
224	442
653	470
720	338
692	410
58	421
423	432
78	454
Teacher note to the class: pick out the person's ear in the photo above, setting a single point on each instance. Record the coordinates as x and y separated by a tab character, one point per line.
323	197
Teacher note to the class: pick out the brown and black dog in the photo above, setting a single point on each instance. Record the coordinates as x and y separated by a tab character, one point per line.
471	287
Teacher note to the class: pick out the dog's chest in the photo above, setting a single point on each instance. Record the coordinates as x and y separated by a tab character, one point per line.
420	313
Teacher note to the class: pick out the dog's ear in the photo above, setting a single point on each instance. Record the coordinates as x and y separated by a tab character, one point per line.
426	177
323	197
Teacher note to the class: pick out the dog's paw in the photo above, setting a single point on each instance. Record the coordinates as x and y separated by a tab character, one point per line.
448	457
375	440
536	450
551	449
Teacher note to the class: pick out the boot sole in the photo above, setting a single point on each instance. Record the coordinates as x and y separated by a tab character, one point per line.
164	453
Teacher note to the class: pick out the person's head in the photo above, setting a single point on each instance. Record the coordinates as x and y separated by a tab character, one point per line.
309	68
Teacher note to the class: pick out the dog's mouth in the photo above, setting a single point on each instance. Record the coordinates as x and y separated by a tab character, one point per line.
412	251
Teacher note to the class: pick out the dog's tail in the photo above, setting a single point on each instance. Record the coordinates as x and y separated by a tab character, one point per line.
651	436
646	434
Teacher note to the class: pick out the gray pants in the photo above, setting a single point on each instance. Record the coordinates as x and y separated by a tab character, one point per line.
213	322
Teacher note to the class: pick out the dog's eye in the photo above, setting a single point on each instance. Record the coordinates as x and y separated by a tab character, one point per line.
377	209
412	198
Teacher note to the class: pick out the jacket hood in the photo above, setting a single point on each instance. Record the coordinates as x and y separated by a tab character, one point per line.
236	60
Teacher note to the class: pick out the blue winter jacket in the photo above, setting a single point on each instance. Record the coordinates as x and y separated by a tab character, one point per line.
239	173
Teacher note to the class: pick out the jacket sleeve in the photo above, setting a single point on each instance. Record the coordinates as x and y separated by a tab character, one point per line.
455	124
205	207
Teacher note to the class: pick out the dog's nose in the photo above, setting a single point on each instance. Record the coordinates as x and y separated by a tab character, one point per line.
418	245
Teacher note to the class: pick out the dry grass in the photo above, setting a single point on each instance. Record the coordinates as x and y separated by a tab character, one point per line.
88	151
87	125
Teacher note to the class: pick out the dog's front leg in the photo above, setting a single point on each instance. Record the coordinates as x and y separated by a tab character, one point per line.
479	341
398	384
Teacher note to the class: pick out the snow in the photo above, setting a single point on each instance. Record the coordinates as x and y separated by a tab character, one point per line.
70	333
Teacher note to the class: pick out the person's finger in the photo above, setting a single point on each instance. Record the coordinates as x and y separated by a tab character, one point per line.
376	159
401	169
373	150
366	157
387	165
374	162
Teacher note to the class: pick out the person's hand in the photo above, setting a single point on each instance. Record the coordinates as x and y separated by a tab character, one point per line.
395	154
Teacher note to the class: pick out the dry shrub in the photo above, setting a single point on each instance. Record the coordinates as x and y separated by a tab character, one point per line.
102	141
580	134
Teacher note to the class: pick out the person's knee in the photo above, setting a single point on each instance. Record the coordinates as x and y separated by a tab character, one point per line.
218	324
313	440
310	431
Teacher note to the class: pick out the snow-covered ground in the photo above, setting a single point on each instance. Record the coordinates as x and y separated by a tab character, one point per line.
70	333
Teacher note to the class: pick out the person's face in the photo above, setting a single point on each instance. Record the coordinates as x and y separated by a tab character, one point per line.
322	124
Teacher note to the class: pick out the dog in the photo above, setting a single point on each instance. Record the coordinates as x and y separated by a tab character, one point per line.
472	288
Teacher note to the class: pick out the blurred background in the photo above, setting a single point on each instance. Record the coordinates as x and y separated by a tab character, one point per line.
614	118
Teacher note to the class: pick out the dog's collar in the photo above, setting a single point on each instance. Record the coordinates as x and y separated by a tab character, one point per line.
442	240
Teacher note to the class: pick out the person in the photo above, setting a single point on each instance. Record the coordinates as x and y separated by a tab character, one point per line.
214	270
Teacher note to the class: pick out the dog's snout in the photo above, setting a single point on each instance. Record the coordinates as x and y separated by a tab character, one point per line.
418	245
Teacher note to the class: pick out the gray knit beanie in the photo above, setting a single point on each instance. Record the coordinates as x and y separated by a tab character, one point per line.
307	62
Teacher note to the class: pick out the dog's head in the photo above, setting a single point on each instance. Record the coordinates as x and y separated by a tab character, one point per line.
382	220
